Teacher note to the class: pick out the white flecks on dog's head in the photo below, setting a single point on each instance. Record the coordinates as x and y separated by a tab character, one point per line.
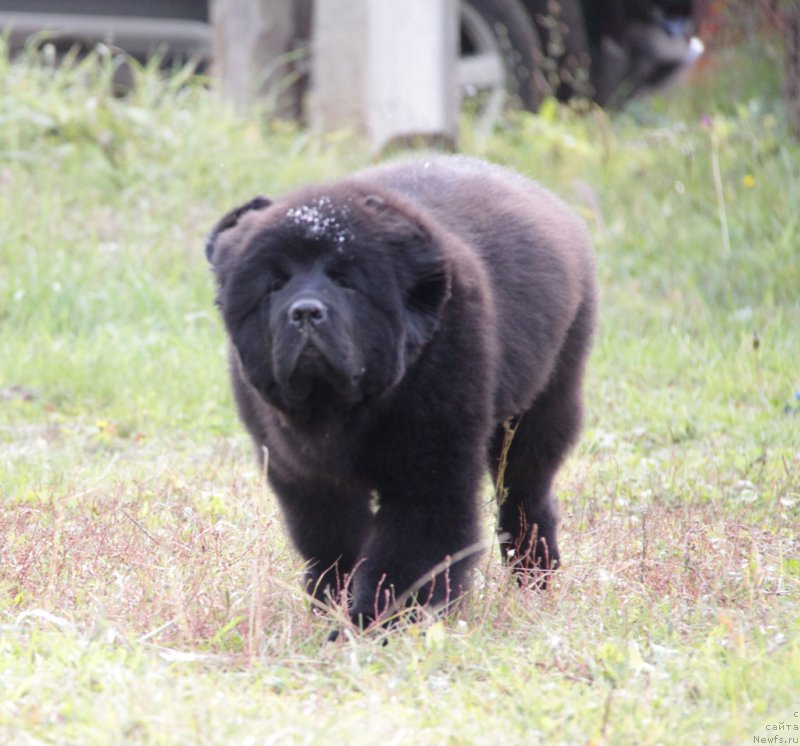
321	218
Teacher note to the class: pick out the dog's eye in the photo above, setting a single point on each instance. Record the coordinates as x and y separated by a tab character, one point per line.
341	280
277	284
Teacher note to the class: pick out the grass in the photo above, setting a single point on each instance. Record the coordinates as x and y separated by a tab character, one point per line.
147	590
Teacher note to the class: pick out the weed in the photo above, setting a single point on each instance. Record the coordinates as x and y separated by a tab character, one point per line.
147	591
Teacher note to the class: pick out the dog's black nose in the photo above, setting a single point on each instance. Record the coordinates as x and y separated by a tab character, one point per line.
307	311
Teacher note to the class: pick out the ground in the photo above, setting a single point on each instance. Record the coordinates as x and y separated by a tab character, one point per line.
148	593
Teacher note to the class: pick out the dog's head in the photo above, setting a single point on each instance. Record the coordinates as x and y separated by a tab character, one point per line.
328	296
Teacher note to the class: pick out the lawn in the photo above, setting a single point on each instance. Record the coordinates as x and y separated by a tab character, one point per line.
148	593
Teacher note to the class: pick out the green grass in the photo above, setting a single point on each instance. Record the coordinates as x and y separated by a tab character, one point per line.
147	591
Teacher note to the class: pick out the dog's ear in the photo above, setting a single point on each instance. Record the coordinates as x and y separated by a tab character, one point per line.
422	269
426	294
214	243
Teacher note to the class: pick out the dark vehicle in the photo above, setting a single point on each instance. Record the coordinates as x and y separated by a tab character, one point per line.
604	50
178	28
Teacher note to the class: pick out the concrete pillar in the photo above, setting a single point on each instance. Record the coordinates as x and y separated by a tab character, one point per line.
386	69
252	42
339	66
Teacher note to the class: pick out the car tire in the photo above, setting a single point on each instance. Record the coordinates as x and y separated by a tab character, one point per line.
566	63
501	29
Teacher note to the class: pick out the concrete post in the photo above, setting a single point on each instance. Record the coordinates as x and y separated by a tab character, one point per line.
339	66
411	73
251	41
386	69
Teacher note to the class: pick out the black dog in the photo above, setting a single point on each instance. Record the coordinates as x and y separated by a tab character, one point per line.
387	332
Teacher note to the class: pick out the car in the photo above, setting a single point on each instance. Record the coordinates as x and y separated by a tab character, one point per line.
604	50
179	29
515	51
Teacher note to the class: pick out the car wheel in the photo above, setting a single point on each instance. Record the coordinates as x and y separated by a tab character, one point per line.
566	62
498	58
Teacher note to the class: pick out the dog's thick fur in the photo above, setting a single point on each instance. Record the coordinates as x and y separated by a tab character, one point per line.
386	333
